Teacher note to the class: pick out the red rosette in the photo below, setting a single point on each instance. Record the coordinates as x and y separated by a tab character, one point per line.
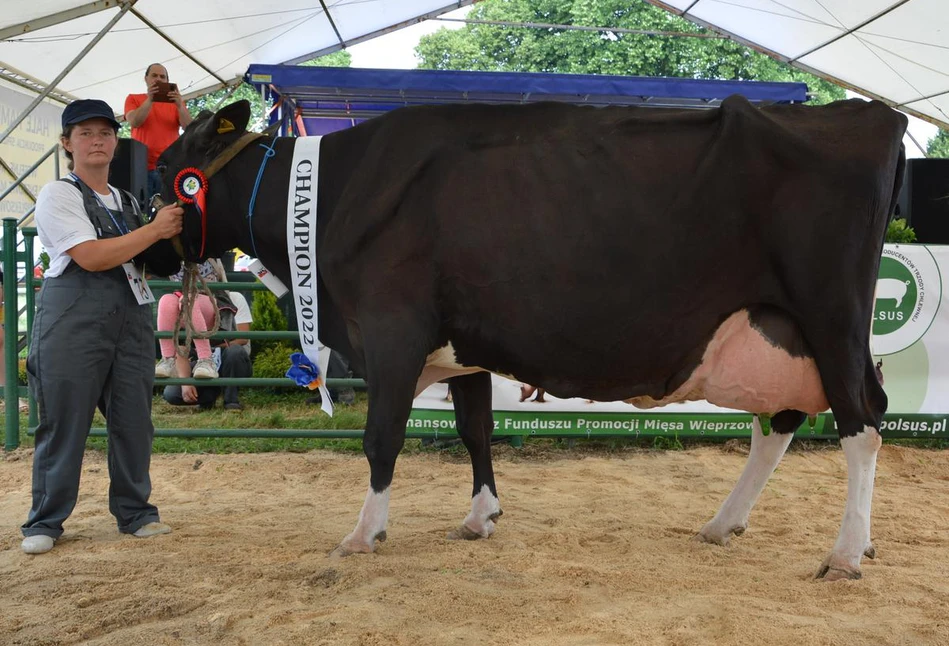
189	184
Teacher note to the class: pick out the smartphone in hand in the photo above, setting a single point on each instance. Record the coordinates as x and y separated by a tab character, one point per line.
161	96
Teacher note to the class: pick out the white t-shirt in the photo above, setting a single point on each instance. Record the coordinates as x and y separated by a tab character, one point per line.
62	223
243	314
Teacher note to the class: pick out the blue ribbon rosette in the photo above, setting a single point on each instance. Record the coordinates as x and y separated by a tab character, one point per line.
304	372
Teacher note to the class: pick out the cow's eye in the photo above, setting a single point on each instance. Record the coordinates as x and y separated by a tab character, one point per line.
161	168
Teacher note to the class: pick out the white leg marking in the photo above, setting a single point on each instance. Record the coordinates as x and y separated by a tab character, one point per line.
483	507
732	517
854	538
372	524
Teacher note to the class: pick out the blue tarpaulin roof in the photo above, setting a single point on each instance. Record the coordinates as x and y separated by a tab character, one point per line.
332	98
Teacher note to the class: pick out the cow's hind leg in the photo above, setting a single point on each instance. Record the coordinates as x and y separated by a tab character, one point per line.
858	412
766	452
392	370
853	541
472	398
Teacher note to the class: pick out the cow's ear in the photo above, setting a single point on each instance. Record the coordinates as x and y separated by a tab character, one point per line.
232	118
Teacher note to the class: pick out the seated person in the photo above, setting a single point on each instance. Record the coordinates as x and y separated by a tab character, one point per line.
234	358
202	317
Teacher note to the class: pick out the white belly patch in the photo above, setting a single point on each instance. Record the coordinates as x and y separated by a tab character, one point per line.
742	369
444	357
441	365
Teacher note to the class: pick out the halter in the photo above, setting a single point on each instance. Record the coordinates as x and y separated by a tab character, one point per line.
216	164
253	196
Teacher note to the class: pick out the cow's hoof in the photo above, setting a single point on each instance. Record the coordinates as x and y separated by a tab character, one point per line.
836	571
870	552
828	573
463	533
351	546
713	535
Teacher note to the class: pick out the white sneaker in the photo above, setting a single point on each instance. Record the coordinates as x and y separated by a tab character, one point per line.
37	544
204	369
166	368
152	529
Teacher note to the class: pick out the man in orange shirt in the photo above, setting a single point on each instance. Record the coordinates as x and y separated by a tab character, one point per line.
155	123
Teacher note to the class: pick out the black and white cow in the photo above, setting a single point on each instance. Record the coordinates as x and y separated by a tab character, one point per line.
637	254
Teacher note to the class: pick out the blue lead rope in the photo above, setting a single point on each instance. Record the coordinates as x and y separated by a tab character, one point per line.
253	196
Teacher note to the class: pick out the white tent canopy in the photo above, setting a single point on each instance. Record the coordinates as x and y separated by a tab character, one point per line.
895	50
205	44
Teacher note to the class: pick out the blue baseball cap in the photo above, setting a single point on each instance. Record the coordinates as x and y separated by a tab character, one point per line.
84	109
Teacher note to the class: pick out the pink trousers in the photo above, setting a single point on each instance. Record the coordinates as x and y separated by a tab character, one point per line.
202	316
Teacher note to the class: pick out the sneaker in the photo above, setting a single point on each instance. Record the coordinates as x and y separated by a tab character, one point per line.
166	368
152	529
37	544
204	369
233	406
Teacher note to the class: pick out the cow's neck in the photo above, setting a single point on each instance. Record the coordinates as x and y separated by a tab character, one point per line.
269	219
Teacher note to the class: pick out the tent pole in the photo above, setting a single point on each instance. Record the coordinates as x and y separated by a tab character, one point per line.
52	84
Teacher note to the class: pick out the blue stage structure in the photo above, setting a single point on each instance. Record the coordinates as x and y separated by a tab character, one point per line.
320	100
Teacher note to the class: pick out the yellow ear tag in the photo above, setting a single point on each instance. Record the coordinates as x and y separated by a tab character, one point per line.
225	126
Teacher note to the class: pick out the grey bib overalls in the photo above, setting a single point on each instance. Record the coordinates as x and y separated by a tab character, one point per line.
92	345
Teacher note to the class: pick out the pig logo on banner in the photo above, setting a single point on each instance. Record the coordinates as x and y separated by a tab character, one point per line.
908	292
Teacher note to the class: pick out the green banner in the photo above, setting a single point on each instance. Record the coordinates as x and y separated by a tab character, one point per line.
695	425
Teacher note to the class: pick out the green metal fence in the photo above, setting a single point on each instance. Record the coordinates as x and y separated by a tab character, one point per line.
424	423
16	337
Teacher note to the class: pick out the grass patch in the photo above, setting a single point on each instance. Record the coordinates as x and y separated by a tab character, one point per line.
263	409
266	408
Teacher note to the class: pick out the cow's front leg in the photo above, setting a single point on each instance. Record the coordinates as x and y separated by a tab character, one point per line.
766	452
471	395
371	526
391	379
853	541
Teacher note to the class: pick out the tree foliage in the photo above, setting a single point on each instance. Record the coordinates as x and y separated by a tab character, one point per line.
939	145
899	233
532	49
342	58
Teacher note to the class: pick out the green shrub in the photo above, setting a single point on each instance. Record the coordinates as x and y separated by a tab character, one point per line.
273	362
898	233
21	375
267	316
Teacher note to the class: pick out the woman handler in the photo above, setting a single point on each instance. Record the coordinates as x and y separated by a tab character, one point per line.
93	341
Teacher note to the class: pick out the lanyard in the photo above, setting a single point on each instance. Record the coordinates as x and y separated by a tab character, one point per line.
122	228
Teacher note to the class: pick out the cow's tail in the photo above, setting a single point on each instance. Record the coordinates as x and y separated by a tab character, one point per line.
898	182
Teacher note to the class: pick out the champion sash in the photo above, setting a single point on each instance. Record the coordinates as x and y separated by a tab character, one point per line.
301	247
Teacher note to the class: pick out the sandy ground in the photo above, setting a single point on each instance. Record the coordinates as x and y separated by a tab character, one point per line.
592	549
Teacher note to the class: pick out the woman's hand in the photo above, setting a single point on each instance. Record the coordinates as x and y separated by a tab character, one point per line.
167	221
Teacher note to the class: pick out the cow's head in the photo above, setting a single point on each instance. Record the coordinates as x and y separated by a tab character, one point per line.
202	142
